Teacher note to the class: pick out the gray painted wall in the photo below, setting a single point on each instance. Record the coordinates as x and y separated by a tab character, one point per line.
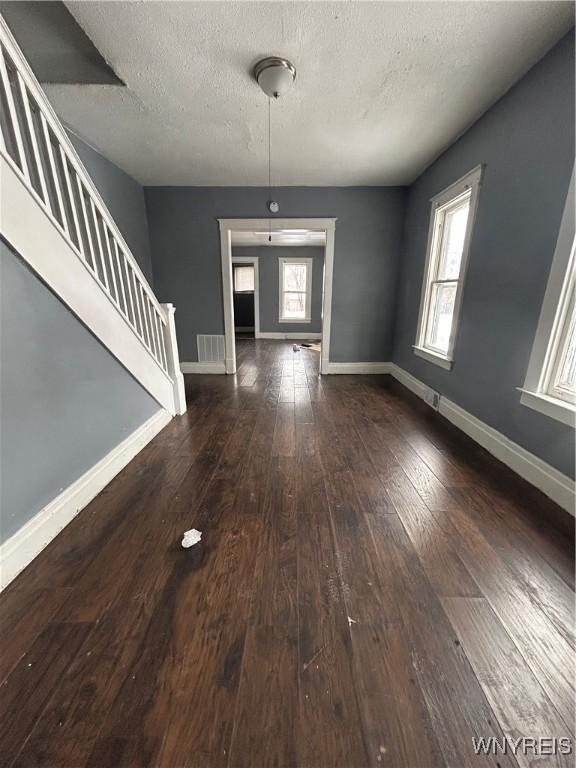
186	257
55	45
65	401
527	143
268	282
124	198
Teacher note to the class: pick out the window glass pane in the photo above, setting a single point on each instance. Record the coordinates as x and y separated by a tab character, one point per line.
294	305
294	277
244	278
566	377
455	220
440	315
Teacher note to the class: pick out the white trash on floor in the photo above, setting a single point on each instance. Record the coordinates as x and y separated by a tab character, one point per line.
191	537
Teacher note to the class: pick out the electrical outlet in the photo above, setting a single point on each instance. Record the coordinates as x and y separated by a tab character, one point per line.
432	398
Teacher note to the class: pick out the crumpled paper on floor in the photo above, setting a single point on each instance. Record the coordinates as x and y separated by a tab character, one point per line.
191	537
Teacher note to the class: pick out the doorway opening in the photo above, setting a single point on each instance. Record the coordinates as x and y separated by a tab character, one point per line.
246	297
287	284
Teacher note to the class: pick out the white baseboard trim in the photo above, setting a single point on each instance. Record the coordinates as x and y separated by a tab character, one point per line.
549	480
288	336
409	381
21	548
356	368
216	367
537	472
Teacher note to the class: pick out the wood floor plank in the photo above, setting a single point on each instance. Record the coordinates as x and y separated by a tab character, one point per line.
27	689
80	704
329	725
340	611
332	448
285	433
431	490
519	549
303	412
368	483
381	659
548	654
212	583
457	706
369	600
78	719
398	727
535	535
220	599
231	460
518	700
24	613
275	582
140	516
382	460
265	731
446	571
444	568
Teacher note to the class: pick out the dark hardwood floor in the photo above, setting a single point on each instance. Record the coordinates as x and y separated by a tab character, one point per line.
371	589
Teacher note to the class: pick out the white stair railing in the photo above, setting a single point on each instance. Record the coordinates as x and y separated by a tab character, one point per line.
37	149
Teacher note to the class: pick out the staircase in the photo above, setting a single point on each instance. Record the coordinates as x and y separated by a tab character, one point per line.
52	215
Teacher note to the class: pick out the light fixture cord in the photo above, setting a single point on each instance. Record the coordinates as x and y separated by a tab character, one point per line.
269	167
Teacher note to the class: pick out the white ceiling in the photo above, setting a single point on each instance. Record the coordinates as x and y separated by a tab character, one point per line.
280	237
382	87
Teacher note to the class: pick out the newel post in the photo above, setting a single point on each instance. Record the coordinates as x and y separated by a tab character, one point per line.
174	361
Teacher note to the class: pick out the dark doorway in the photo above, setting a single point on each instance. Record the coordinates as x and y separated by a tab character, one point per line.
244	315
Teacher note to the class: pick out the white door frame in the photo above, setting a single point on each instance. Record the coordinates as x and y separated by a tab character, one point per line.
227	226
254	261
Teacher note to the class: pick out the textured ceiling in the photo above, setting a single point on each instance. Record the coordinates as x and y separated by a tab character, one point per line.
382	87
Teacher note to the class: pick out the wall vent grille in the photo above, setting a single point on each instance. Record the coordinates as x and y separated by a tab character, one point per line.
211	349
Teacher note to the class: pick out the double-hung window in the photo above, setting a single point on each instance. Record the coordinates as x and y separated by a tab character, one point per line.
295	290
451	222
550	385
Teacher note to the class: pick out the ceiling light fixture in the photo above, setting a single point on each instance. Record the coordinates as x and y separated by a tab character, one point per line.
275	76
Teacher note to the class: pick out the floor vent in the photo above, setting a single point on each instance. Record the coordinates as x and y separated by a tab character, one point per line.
211	349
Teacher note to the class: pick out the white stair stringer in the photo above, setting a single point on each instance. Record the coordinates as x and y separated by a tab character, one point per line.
25	225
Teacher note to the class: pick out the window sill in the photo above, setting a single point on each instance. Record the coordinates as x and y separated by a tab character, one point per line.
550	406
431	357
295	320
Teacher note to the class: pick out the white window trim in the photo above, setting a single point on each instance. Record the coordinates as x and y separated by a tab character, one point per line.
308	309
472	181
535	390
